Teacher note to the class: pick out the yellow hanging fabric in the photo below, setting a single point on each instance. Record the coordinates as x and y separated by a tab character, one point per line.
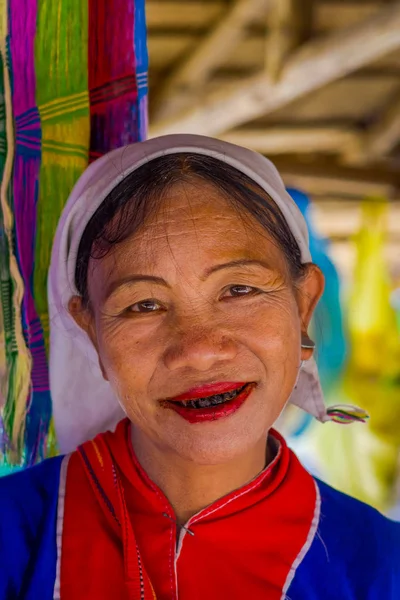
372	325
363	460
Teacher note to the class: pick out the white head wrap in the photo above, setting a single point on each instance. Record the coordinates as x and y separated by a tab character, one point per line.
83	402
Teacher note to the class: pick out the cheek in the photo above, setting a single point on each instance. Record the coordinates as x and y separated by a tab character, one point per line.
274	337
128	358
276	327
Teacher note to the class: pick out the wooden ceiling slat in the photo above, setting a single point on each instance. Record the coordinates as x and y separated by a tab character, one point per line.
296	140
326	178
354	98
316	64
196	67
385	134
290	25
346	106
167	49
198	16
186	15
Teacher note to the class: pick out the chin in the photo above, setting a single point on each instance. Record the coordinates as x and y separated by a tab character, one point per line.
217	443
208	453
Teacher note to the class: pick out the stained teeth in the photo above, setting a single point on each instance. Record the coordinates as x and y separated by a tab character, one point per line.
212	400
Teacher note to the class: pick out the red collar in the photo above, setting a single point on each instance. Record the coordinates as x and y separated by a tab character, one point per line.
148	494
247	540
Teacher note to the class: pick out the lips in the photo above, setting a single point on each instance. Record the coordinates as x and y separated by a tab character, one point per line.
198	405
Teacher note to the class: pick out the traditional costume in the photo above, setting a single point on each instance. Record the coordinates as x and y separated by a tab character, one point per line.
91	523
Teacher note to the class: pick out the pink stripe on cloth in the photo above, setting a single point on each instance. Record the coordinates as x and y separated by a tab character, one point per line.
23	16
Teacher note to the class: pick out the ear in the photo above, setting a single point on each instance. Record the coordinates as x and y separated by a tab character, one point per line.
84	318
309	291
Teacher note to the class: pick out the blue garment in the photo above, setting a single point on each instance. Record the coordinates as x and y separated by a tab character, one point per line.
28	512
355	554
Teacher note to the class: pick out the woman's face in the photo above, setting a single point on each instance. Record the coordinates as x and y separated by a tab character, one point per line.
199	296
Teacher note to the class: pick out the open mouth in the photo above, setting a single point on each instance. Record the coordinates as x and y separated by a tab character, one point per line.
196	408
211	401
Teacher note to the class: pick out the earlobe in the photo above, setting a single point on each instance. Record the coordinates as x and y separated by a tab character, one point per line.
311	290
307	342
307	347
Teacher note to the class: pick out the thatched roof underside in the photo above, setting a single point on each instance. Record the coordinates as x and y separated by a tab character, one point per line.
313	84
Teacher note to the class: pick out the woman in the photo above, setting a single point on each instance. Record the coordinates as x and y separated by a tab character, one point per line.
184	265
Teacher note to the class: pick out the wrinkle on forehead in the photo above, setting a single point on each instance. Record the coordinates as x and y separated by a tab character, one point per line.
199	206
201	214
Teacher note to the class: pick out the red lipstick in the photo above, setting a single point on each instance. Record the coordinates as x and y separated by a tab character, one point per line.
211	413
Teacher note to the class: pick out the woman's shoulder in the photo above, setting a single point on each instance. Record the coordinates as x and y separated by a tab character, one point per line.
23	489
26	497
357	542
28	516
346	516
353	552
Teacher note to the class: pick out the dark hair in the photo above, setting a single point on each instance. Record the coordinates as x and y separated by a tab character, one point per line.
139	195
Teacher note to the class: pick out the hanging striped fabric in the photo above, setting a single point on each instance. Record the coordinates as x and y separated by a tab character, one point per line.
73	85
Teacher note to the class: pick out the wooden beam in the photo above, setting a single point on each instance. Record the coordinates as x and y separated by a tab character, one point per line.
198	15
184	16
289	25
327	179
313	66
294	140
248	56
383	136
181	86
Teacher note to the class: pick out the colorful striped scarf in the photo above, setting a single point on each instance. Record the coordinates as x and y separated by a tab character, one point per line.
73	85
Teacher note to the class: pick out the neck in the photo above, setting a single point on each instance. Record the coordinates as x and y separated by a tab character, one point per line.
190	487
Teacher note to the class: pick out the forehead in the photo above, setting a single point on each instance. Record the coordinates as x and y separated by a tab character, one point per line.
198	207
195	221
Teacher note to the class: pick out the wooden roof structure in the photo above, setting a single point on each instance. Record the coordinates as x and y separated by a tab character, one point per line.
312	84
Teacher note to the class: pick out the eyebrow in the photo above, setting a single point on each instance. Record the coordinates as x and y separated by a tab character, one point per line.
118	283
241	262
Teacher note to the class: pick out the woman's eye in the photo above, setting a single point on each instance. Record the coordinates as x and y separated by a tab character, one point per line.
236	291
146	306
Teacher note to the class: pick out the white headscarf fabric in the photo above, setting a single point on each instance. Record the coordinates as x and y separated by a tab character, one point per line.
83	403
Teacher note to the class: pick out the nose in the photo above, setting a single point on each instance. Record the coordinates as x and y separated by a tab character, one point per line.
199	348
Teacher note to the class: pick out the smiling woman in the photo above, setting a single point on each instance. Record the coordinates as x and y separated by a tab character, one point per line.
205	286
181	290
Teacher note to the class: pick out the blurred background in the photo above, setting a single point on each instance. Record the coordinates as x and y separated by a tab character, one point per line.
312	84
